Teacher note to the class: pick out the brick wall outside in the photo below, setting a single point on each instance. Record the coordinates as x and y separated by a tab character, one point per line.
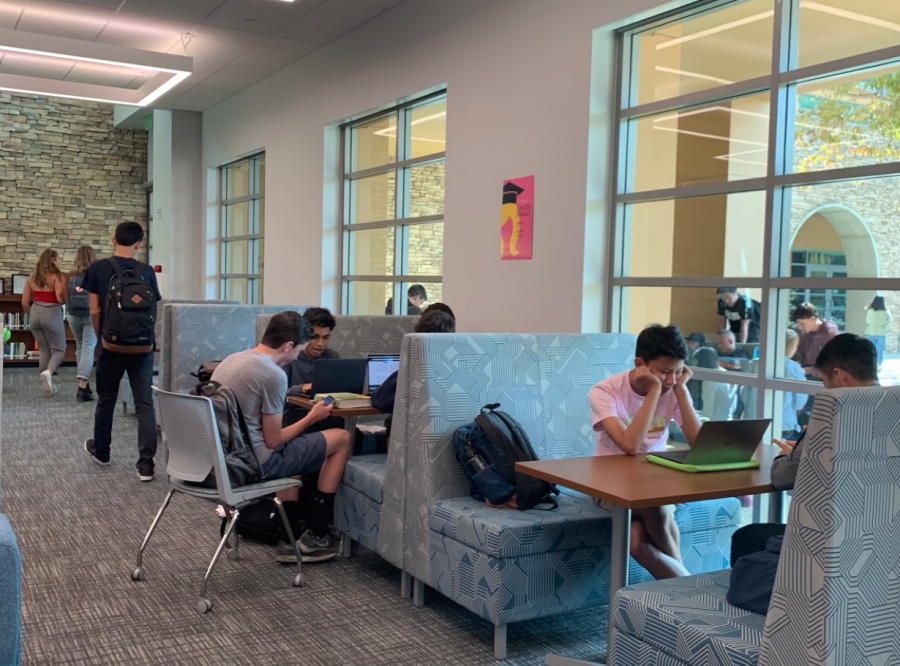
67	178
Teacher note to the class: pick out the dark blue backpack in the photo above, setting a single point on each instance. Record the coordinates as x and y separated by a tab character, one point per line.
488	450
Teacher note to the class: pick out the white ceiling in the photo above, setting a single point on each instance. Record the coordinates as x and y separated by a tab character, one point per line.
234	43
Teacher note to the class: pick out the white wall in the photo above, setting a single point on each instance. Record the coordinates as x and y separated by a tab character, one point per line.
519	80
177	177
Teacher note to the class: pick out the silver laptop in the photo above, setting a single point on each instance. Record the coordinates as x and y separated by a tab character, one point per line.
721	443
379	368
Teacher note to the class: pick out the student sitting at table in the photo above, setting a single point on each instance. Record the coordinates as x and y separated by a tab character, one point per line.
300	372
437	318
631	413
730	354
846	361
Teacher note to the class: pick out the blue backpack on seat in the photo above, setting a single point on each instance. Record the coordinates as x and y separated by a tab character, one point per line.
488	450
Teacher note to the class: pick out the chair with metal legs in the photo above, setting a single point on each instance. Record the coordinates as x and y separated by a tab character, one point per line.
191	439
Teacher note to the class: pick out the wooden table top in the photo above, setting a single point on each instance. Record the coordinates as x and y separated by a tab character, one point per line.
307	403
635	483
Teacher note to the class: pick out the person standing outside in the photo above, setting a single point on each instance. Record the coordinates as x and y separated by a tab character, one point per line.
738	313
42	299
78	314
115	362
878	321
815	333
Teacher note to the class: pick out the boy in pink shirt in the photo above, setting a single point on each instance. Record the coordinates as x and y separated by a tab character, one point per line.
631	413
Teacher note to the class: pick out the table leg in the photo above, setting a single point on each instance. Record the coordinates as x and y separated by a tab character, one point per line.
618	561
350	426
776	507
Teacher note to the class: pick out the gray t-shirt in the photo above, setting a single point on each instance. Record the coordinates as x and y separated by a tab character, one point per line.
260	387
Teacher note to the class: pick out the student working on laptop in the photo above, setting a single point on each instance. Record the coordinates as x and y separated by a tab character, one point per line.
631	413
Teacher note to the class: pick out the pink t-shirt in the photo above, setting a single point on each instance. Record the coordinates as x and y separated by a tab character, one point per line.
615	397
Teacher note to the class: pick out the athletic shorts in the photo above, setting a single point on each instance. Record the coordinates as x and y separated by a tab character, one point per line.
302	455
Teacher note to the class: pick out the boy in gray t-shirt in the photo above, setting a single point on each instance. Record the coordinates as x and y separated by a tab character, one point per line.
260	386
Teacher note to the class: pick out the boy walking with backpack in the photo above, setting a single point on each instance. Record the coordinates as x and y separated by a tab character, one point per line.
631	413
123	295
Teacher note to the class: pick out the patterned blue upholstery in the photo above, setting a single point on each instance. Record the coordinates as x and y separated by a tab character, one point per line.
506	565
359	336
837	592
204	332
505	533
357	507
836	598
10	596
687	618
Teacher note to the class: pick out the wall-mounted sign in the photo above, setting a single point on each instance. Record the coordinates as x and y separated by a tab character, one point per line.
516	219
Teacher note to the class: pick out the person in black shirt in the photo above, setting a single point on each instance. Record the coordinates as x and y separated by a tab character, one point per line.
112	366
738	313
415	297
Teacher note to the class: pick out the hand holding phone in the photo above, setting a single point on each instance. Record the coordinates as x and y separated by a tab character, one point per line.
328	400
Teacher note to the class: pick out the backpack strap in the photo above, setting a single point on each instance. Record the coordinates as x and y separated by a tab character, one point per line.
523	442
117	267
138	271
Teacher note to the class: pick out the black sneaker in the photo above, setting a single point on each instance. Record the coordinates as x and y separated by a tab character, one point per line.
145	476
88	390
83	395
309	543
286	555
91	450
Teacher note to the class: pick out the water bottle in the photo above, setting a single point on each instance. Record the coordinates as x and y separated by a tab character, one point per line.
474	462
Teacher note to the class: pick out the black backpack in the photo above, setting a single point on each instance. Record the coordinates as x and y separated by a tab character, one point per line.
78	300
240	459
130	315
488	450
261	522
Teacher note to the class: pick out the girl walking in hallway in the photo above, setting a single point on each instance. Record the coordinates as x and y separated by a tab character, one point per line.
78	314
42	300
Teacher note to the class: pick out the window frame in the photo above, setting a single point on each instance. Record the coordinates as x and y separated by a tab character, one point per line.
401	221
255	241
776	282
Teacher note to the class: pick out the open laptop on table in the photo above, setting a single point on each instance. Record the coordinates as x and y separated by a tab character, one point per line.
720	446
379	368
338	375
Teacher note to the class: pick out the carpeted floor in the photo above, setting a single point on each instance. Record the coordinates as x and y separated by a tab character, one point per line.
79	526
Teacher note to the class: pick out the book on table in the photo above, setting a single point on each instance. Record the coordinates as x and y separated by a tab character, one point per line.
346	400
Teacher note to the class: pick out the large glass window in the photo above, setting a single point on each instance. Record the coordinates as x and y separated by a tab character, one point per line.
758	150
242	230
393	209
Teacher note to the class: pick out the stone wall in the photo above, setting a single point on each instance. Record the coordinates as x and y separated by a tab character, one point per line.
67	178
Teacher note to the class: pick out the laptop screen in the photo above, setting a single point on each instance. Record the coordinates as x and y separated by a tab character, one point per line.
381	366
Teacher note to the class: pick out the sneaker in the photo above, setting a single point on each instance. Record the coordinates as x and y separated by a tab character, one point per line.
47	382
145	477
309	543
82	395
285	555
91	450
90	393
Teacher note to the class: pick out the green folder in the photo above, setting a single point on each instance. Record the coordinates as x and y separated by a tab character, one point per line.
718	467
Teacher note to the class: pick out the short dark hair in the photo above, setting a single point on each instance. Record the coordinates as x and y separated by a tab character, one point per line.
706	357
287	326
129	233
436	322
439	307
854	355
656	341
804	311
320	318
417	290
698	337
726	290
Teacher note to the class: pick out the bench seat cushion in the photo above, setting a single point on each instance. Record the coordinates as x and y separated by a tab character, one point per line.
365	474
510	533
689	619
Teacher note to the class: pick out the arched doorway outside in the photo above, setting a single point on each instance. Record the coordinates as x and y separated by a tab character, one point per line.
833	241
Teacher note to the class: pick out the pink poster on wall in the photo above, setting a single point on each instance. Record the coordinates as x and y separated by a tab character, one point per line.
516	219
